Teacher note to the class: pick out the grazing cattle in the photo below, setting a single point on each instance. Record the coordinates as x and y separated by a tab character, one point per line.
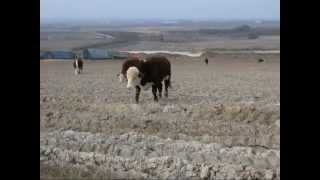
131	62
77	65
260	60
206	61
150	72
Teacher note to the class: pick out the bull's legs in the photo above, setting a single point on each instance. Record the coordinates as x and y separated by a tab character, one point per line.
159	86
166	85
154	92
138	89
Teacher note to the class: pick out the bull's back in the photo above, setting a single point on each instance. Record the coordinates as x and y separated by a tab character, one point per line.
159	65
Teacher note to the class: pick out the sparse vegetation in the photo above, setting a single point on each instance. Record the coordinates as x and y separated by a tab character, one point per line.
220	120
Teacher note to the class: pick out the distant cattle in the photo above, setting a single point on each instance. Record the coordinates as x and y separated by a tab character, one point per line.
206	61
149	72
77	65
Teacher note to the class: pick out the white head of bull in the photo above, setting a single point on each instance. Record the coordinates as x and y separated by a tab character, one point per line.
133	77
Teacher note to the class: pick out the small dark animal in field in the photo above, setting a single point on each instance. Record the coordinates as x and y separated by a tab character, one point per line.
206	61
260	60
77	65
149	72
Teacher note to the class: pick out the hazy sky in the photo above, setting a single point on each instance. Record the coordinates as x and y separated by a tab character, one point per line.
167	9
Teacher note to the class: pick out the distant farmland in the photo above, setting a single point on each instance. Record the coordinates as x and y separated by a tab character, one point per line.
171	38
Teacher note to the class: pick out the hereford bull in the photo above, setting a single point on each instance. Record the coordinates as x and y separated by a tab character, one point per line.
77	65
206	61
131	62
150	72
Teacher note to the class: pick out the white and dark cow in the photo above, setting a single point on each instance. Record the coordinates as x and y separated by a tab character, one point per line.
131	62
77	65
150	73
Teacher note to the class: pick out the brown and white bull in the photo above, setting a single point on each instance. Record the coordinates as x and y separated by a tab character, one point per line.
147	73
77	65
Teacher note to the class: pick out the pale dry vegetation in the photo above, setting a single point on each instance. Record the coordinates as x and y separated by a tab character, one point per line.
220	121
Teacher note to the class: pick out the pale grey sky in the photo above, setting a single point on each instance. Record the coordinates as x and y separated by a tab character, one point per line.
164	9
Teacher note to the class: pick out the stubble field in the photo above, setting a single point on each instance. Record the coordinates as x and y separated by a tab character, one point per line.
220	121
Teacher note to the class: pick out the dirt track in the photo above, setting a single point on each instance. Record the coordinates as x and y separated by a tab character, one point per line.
220	121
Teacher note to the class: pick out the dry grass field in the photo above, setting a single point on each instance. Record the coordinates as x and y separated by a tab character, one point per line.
220	121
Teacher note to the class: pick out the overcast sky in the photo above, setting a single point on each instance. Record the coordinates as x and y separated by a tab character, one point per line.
164	9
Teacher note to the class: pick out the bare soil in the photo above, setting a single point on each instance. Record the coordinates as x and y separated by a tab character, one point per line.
220	121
